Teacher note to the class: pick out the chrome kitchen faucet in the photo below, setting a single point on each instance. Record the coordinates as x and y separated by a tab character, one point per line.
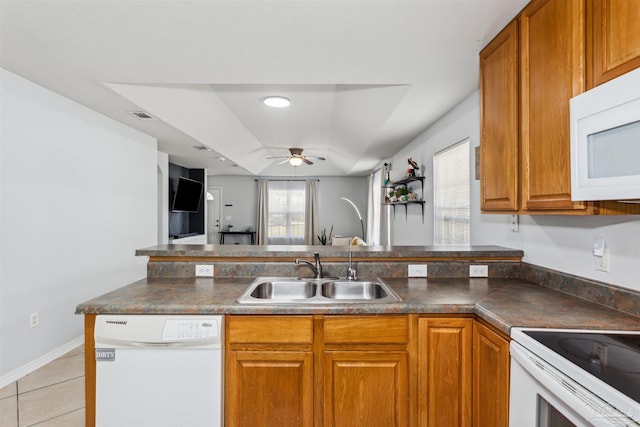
351	271
317	268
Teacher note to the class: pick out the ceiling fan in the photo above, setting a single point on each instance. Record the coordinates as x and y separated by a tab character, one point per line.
296	158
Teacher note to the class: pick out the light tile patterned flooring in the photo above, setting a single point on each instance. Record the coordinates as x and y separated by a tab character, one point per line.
52	396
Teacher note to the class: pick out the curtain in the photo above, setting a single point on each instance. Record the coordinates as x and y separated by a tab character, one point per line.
373	209
262	219
311	212
378	232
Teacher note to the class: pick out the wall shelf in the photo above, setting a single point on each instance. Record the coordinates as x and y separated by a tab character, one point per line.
405	203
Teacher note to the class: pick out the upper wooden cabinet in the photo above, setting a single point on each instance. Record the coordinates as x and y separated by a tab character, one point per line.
613	39
528	74
499	111
551	71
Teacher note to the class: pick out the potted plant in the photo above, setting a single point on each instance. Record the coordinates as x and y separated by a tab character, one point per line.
322	237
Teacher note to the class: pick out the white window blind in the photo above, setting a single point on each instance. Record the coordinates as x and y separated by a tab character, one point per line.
286	212
451	195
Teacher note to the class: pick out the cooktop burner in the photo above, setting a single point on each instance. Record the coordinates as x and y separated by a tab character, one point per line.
612	357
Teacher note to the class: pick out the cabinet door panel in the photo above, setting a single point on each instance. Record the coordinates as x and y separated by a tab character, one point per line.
366	389
614	40
499	122
269	388
552	54
444	372
490	378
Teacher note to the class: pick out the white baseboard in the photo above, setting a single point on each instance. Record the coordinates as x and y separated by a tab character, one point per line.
38	363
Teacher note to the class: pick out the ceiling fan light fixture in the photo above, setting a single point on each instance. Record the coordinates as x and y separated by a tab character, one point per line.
277	101
295	161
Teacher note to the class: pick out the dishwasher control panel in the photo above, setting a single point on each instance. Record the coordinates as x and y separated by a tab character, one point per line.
187	329
140	331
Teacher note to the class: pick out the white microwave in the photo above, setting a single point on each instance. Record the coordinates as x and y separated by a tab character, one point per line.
605	141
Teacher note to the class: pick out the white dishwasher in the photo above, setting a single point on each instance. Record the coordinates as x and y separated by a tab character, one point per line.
159	371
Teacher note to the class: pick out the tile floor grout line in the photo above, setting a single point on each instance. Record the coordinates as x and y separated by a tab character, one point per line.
18	394
52	418
51	384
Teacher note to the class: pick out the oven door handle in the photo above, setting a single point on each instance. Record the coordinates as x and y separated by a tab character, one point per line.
566	389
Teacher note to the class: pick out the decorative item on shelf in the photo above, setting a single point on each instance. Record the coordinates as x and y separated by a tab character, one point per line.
414	167
323	238
402	193
387	176
229	228
391	197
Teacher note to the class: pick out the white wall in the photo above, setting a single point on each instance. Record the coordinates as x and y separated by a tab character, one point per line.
460	123
241	192
163	198
558	242
78	196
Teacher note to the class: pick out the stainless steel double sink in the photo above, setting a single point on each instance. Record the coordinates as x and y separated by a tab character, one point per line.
287	290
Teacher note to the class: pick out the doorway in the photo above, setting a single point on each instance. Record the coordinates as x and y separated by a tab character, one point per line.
214	210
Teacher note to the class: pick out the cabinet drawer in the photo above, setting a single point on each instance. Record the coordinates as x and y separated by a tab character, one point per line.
366	329
270	329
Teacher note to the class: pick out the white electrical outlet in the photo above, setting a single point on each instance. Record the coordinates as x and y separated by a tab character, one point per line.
204	270
33	320
602	262
417	270
478	271
515	223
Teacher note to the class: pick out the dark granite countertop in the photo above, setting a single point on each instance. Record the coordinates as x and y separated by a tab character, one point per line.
362	252
504	303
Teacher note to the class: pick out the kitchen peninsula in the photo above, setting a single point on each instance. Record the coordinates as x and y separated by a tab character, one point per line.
446	322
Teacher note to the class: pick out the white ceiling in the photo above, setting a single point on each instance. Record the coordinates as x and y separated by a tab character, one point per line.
364	77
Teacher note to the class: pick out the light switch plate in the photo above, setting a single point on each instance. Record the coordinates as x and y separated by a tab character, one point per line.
417	270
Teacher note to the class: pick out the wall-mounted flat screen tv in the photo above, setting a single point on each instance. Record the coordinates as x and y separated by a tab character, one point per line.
188	195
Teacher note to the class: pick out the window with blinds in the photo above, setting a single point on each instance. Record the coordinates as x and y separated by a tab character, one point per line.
286	212
451	196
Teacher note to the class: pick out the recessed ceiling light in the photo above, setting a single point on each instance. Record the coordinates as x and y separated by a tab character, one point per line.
277	101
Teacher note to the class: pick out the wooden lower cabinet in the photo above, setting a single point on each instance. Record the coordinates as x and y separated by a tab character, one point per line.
490	378
344	371
267	388
269	371
366	370
364	388
444	372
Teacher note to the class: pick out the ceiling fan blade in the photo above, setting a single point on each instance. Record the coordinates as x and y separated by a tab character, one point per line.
315	157
278	157
284	161
304	159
